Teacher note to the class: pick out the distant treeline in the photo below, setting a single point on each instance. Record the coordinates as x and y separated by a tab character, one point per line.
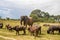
11	19
7	18
42	16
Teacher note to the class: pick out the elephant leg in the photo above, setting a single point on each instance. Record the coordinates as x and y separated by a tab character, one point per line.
24	23
21	22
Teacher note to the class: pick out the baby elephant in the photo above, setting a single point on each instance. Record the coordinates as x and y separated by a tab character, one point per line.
53	28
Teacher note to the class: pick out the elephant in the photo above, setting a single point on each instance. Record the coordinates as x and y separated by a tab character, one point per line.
26	20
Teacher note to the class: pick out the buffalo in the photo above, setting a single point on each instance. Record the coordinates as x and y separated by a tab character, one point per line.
8	27
35	30
21	28
1	25
53	28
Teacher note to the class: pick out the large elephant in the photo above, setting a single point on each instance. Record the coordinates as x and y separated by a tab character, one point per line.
26	20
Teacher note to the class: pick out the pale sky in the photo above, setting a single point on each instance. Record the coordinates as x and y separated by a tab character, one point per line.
17	8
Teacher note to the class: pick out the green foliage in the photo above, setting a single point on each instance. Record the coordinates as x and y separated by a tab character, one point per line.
42	16
36	11
7	18
0	17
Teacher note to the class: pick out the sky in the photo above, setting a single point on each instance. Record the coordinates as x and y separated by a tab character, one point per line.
16	8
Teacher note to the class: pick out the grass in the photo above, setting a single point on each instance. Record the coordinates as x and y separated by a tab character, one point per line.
43	36
2	38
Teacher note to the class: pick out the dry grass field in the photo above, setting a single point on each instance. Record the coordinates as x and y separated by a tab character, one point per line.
12	36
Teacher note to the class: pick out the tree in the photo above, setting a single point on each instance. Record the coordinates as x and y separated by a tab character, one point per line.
41	16
57	18
7	18
36	11
0	17
34	14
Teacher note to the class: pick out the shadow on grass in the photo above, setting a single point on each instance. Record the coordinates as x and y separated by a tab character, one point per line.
20	35
55	34
42	34
39	36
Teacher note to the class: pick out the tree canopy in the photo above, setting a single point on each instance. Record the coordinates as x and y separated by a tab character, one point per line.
42	16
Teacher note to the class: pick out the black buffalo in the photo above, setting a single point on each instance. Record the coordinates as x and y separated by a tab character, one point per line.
53	28
35	30
21	28
1	25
